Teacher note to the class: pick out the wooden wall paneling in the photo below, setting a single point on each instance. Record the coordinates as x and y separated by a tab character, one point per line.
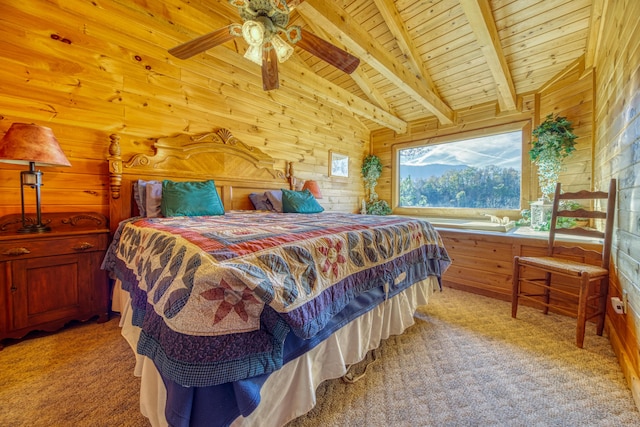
617	133
480	264
626	327
479	113
572	96
116	75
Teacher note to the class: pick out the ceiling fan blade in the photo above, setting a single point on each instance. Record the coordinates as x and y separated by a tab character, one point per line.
324	50
202	43
270	78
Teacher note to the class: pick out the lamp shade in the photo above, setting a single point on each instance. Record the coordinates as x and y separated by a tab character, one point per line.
28	143
253	32
313	187
254	54
283	50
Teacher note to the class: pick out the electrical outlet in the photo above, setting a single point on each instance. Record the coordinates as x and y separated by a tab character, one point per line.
617	305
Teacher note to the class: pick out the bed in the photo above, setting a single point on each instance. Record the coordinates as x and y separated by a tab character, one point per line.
237	314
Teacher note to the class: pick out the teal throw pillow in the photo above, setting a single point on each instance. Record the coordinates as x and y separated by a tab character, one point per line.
190	198
299	202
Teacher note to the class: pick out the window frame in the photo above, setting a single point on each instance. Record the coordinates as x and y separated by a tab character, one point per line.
335	156
475	213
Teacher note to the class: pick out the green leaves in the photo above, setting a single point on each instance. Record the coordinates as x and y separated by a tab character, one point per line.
554	140
371	168
378	207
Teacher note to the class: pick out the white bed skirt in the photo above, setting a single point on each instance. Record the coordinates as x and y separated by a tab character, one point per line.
291	391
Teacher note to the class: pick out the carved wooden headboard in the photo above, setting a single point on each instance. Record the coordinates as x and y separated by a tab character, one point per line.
238	169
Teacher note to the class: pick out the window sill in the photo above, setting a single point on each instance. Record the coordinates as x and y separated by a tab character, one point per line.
510	229
469	224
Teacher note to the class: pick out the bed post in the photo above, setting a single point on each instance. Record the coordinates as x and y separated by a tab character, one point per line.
289	175
115	166
115	179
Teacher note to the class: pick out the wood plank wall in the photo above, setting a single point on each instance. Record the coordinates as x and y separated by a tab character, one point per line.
571	95
617	155
91	69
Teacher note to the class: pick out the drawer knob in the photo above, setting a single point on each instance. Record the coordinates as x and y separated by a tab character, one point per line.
82	246
16	252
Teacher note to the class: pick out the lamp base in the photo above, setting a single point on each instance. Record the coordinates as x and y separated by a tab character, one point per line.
34	228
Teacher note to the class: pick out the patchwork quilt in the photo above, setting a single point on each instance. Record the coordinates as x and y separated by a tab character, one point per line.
216	296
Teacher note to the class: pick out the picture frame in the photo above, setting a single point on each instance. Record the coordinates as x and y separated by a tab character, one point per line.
338	164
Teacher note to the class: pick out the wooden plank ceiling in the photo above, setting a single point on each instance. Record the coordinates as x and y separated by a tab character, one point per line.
419	58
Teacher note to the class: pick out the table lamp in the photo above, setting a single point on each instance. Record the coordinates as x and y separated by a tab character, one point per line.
32	145
313	187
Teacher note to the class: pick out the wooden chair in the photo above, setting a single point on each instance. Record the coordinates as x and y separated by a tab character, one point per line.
570	271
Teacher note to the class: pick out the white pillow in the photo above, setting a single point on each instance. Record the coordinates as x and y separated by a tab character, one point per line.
275	197
153	199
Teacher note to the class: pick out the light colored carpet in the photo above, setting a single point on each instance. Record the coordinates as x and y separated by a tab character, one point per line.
79	376
465	362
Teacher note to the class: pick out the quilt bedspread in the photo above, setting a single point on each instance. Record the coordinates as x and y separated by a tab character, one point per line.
215	296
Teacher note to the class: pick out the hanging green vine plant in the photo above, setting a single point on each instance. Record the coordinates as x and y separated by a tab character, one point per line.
371	171
554	141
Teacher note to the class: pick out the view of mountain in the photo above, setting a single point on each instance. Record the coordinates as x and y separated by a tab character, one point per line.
504	151
424	172
480	173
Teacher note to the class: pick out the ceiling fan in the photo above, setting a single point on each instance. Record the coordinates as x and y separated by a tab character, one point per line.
265	21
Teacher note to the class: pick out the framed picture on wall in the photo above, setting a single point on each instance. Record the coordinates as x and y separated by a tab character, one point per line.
338	164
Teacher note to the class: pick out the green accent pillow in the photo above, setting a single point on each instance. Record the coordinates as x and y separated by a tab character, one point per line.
190	198
299	202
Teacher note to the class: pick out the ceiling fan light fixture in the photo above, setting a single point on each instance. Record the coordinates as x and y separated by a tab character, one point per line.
253	32
240	4
254	54
279	6
283	50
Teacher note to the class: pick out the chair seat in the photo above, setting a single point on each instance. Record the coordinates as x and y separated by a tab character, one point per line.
564	266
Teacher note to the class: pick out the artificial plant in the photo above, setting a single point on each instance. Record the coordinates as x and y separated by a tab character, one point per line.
371	171
554	141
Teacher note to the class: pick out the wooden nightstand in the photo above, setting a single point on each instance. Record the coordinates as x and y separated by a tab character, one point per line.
49	279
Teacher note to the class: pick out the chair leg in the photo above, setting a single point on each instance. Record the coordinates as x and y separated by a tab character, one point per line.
515	287
602	304
547	292
582	310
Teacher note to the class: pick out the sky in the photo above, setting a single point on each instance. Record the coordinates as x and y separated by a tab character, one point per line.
502	150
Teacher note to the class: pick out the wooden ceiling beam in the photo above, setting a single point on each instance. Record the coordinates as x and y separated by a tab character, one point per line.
298	77
340	25
480	17
369	89
399	30
358	76
598	11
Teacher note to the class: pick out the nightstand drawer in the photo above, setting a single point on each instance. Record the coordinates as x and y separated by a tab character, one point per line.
22	249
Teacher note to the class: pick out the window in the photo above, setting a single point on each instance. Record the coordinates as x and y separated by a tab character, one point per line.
467	174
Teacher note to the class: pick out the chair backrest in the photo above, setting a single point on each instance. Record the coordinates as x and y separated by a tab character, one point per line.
601	206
